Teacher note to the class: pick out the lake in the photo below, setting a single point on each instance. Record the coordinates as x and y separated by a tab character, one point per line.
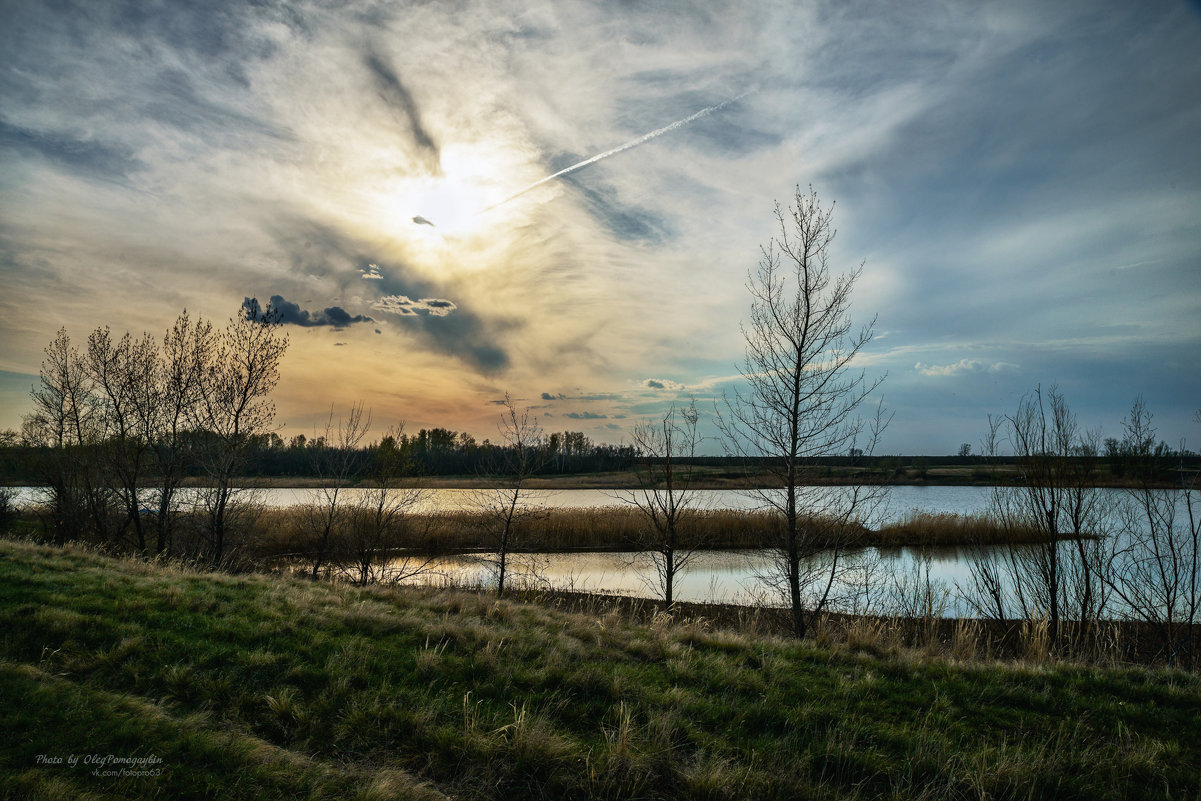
960	500
713	576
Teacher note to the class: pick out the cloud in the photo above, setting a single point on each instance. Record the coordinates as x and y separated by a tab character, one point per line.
291	314
632	223
586	416
406	307
548	396
663	383
395	93
964	366
324	253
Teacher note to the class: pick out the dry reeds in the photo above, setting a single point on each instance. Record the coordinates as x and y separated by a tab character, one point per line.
290	536
920	528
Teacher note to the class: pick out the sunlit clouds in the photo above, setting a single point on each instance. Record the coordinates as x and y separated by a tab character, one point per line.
417	189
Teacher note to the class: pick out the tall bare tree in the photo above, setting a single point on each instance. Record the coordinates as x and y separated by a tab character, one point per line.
126	379
666	448
802	398
236	406
66	421
186	357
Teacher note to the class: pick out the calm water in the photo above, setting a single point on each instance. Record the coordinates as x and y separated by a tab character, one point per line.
901	499
745	577
712	576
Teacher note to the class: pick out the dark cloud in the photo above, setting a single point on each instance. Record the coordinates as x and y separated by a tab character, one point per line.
323	251
548	396
396	95
586	416
291	314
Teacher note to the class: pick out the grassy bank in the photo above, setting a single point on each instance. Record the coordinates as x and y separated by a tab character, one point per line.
264	687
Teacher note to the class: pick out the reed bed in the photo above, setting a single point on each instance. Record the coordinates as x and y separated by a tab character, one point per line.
920	528
290	531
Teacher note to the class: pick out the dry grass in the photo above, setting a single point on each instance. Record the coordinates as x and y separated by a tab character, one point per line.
283	533
949	529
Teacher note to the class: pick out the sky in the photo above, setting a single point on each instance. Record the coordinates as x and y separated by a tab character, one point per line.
1021	182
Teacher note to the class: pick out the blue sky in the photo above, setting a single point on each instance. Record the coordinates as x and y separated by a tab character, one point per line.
1022	182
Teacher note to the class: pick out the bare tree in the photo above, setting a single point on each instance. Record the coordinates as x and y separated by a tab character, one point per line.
802	399
126	379
520	454
186	356
664	495
335	460
235	407
66	422
1157	558
377	525
1056	498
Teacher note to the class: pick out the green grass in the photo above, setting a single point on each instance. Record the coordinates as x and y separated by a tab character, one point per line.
267	687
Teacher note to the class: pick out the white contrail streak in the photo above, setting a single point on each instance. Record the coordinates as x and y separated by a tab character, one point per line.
632	143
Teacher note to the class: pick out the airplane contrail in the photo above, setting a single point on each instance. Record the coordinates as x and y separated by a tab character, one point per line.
632	143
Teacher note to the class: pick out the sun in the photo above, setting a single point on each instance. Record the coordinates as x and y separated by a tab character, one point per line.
443	207
454	203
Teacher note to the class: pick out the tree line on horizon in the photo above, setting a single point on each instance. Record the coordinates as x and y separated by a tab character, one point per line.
445	452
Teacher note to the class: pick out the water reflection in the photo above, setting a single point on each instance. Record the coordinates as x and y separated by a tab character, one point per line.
741	577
